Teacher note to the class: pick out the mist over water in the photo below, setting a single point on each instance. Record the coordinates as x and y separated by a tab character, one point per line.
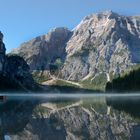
18	109
125	102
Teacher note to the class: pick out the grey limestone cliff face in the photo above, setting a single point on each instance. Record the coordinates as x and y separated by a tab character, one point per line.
43	50
102	43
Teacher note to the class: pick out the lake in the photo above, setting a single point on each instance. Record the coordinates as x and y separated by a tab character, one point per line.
70	117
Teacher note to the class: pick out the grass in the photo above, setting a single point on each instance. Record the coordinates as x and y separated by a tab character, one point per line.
98	83
84	86
40	76
60	82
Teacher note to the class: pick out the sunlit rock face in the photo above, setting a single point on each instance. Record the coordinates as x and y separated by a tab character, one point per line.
43	50
102	43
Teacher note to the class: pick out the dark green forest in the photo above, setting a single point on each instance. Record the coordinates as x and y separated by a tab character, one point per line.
127	83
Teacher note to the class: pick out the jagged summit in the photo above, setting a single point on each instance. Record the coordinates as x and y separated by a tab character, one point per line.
57	33
107	13
104	14
59	30
102	45
42	50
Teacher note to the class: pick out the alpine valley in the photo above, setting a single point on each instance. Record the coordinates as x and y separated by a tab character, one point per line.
103	47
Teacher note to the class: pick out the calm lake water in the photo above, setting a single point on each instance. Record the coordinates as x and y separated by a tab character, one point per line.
70	117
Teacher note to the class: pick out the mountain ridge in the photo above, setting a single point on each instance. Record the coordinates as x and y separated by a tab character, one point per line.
35	48
104	44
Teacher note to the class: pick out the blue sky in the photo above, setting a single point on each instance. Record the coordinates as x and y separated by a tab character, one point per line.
22	20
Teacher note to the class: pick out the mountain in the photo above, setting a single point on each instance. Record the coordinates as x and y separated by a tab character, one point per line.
14	72
43	50
102	46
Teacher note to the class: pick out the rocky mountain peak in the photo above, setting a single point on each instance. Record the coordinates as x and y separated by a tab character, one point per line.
58	31
93	26
42	50
108	14
102	45
57	34
102	15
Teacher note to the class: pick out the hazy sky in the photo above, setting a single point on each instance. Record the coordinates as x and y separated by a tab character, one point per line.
22	20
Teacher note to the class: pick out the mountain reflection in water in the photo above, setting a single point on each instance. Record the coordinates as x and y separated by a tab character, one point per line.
128	104
61	117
